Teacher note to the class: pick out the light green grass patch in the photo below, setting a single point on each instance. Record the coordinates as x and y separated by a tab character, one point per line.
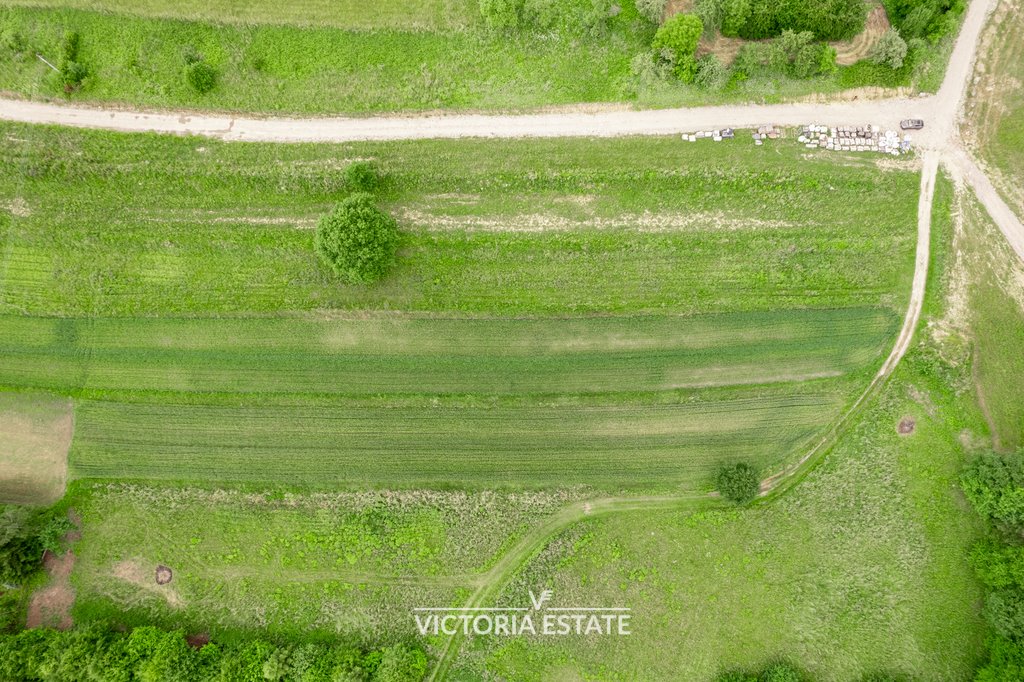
338	564
399	356
996	299
435	15
123	225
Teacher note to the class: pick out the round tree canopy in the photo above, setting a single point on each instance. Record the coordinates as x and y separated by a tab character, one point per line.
357	240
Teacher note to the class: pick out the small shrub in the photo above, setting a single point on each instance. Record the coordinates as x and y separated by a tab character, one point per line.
357	240
652	10
362	176
917	22
890	50
1004	612
501	15
72	74
69	45
200	76
738	483
12	44
679	36
647	69
710	13
711	73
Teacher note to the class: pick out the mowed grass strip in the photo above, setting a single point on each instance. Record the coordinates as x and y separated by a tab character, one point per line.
143	225
401	356
606	445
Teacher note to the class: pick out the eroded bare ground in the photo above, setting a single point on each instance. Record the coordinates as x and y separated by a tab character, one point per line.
50	606
150	578
35	434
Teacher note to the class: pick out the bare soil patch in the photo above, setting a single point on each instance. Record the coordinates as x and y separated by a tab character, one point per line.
134	571
198	641
906	426
51	606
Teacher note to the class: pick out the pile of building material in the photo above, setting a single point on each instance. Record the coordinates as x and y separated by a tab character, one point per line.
716	135
869	138
763	133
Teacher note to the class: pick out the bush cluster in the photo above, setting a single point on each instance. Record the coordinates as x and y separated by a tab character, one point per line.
793	54
357	240
24	535
738	483
994	484
72	72
97	652
199	75
931	20
759	19
676	41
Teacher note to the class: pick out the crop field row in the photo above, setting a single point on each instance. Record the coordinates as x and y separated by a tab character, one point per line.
122	225
604	445
401	356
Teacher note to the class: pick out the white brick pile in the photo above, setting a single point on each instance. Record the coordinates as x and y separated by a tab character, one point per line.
869	138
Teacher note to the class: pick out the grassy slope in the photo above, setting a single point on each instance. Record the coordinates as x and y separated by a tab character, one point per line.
350	14
996	107
288	68
996	299
859	569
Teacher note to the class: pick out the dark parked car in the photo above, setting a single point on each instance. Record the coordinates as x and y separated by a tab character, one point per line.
912	124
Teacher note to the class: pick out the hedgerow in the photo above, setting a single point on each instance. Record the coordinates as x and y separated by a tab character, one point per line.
98	651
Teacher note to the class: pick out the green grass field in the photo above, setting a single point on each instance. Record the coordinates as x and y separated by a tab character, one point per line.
331	564
432	15
860	569
160	226
752	296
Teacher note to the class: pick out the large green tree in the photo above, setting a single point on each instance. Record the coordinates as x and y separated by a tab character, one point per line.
357	240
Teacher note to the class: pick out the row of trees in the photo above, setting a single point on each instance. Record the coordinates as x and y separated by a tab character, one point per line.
98	653
994	483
